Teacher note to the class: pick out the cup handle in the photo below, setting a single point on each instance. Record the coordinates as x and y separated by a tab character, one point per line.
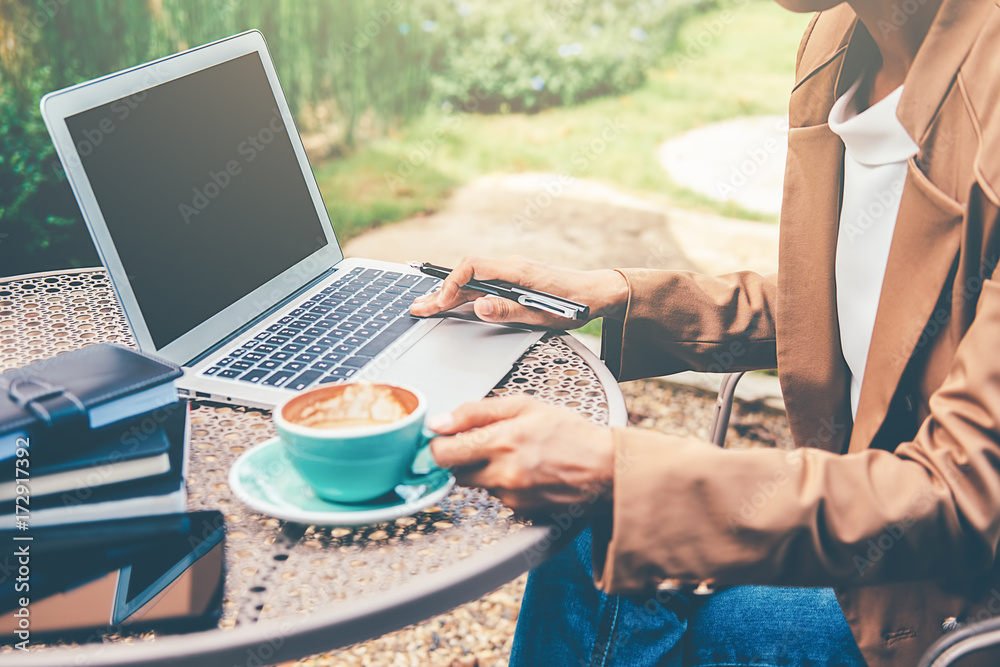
424	468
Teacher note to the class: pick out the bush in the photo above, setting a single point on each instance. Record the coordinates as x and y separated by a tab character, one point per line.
360	66
38	213
527	55
347	56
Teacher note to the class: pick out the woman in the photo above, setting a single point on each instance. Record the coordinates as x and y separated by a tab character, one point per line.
879	533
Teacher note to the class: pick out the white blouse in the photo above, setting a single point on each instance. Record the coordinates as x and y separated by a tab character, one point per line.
875	165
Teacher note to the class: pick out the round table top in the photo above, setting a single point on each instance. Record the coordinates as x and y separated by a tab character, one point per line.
294	590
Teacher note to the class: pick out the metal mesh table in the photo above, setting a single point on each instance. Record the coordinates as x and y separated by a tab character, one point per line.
294	590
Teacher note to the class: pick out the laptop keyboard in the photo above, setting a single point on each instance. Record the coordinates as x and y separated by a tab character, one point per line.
330	337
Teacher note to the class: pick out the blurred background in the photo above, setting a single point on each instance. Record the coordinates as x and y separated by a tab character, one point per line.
401	102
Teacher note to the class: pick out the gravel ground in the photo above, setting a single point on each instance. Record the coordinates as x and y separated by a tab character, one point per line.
484	629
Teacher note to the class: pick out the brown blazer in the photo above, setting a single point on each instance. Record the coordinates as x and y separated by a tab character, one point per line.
899	511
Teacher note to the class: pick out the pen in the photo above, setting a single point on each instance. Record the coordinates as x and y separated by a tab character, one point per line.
550	303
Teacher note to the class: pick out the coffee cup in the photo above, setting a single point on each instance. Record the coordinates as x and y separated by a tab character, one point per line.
355	457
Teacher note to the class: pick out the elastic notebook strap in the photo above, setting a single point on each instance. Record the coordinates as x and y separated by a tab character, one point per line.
57	407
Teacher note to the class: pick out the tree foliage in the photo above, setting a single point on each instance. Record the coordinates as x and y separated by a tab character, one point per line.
353	68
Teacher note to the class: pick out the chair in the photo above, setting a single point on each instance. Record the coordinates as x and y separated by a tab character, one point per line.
945	651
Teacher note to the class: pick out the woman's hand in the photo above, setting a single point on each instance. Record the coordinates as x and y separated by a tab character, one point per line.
606	292
530	455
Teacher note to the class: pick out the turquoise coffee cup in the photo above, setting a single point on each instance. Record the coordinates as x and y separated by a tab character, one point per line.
358	463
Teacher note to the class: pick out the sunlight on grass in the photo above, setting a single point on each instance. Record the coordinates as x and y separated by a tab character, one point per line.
722	68
358	197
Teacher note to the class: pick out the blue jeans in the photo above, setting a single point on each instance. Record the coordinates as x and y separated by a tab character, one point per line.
566	621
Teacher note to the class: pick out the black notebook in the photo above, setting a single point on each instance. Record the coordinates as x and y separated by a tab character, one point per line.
163	493
75	392
108	455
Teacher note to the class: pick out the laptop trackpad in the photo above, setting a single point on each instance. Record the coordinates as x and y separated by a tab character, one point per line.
459	361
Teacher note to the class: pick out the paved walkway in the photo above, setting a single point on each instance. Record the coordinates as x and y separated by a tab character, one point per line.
740	160
585	225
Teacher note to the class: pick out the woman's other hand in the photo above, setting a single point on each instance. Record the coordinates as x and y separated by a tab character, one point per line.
531	455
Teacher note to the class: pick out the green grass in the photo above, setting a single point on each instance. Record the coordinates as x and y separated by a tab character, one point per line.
746	68
358	196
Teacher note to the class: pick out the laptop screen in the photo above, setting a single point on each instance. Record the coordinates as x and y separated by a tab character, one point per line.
201	191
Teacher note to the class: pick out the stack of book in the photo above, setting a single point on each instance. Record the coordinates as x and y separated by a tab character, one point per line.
91	435
92	495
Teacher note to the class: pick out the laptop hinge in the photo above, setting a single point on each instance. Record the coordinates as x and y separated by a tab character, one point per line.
263	316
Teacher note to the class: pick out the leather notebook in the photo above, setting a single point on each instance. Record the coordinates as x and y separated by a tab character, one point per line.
75	392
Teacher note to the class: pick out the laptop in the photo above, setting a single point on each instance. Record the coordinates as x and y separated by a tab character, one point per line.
201	202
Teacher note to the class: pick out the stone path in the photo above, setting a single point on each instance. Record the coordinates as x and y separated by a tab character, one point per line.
586	225
740	160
